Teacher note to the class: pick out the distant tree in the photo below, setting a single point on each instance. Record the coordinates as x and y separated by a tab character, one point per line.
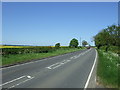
74	43
57	45
84	43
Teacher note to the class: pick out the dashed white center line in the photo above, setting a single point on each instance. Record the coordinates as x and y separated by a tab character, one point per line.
12	80
29	78
53	66
58	64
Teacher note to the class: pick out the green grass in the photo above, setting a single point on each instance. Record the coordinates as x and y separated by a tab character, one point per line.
107	70
12	59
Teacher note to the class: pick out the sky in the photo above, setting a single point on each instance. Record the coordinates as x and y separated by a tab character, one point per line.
48	23
119	12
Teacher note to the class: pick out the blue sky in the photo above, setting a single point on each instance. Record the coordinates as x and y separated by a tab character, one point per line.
47	23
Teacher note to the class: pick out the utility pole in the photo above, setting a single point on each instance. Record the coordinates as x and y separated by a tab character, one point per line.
80	41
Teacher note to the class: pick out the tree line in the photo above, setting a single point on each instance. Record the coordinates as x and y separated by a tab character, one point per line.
109	36
73	43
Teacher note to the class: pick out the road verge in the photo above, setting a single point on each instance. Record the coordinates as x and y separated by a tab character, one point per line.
107	70
25	58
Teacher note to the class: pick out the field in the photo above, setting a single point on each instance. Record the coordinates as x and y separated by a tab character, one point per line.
7	46
108	69
18	54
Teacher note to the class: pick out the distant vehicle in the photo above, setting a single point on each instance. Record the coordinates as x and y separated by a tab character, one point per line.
88	47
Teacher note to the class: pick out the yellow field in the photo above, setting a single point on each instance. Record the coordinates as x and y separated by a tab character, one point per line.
1	46
60	46
5	46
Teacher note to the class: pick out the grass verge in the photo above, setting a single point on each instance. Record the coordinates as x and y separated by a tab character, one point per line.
12	59
108	68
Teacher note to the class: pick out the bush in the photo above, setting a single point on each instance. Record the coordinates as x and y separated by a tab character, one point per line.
114	49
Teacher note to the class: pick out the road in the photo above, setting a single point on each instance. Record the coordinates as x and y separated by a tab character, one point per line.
70	70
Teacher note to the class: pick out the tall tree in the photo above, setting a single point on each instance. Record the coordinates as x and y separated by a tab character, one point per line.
74	43
109	36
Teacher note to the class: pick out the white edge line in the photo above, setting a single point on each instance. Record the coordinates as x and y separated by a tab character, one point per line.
86	85
12	80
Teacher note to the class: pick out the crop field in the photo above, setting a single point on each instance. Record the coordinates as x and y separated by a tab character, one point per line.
17	54
6	46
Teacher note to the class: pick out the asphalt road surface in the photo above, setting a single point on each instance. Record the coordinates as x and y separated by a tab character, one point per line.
70	70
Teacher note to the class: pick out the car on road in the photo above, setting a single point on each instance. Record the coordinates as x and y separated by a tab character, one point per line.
88	47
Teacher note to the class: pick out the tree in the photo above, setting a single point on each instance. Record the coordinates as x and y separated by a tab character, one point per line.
74	43
57	45
103	38
109	36
84	43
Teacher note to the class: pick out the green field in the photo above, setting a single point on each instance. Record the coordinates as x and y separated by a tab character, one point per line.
16	58
108	69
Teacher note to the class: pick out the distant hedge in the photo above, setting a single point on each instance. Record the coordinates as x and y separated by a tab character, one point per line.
7	51
30	49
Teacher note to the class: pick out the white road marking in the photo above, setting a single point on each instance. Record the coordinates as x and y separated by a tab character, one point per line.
71	58
65	61
86	85
56	66
29	78
12	80
74	57
49	67
53	66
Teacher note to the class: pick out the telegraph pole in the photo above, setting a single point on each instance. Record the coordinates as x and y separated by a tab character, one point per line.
80	41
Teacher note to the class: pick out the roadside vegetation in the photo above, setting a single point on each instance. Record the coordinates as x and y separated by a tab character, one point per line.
20	54
108	45
108	37
108	69
17	58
